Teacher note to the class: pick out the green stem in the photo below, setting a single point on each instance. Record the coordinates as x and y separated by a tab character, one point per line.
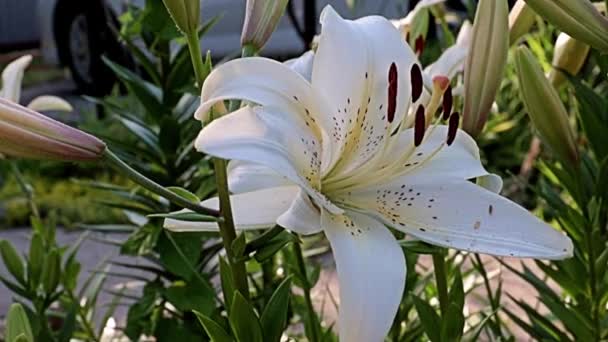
227	230
312	316
122	167
197	58
25	187
442	282
493	303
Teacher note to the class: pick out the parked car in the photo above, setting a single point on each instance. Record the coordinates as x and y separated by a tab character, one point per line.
76	33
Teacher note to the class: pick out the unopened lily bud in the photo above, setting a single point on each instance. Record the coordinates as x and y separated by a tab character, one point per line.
25	133
569	56
261	19
521	19
185	14
578	18
545	107
485	62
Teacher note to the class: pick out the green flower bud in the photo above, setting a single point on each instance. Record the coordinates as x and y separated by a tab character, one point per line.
25	133
185	14
545	107
570	56
485	62
521	19
261	19
578	18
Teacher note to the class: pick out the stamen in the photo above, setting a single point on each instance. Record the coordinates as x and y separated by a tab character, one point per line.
453	127
392	93
447	103
419	126
419	45
416	75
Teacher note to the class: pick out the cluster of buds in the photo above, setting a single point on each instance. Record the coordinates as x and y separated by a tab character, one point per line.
578	18
25	133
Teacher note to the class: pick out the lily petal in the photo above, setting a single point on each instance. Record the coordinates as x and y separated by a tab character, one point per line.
12	77
303	64
434	159
262	81
465	216
246	176
351	68
449	63
302	216
48	102
371	271
271	138
251	210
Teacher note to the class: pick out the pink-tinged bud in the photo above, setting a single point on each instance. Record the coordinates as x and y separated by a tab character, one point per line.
485	63
25	133
521	19
261	19
580	19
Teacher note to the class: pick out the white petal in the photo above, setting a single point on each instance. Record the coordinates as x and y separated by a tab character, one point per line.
48	102
262	81
302	216
303	64
449	63
251	210
462	215
271	138
465	34
435	159
371	271
12	77
491	182
247	176
351	69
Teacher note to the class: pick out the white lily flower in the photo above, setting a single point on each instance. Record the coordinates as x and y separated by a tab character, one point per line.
327	154
12	76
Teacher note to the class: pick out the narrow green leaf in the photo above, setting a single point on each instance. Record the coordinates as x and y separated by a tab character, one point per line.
274	317
429	318
243	320
35	261
452	324
17	325
185	194
52	271
12	260
227	283
214	330
186	216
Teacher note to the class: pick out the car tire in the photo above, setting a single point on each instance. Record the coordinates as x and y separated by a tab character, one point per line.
84	36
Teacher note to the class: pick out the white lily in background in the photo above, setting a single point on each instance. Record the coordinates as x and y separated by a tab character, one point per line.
320	155
12	76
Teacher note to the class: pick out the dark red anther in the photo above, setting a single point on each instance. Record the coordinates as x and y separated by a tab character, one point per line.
419	45
453	127
447	103
419	126
392	93
416	75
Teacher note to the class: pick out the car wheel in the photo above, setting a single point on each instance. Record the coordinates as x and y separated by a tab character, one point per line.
83	37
